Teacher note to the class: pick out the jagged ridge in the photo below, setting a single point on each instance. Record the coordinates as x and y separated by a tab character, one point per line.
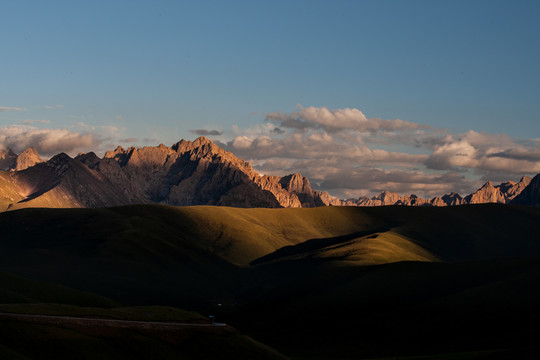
195	172
187	173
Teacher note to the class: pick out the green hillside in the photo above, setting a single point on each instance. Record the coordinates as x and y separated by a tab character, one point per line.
331	282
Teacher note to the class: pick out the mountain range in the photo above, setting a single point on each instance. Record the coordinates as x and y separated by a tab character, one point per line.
195	172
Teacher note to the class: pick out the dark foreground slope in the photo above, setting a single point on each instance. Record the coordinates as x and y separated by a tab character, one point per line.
100	335
329	282
38	320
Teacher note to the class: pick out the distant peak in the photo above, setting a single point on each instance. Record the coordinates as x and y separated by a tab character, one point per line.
202	140
113	153
184	144
29	157
7	152
61	157
60	162
295	182
204	144
488	184
30	150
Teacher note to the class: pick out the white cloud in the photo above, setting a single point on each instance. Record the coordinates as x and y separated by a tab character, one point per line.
46	141
332	120
345	152
8	109
31	122
51	107
484	153
317	145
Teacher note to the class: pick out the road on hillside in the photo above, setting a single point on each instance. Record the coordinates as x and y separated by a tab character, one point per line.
103	322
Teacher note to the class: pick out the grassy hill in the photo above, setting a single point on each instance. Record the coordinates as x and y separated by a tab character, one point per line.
324	282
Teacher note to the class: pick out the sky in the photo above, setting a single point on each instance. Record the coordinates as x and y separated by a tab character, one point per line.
424	97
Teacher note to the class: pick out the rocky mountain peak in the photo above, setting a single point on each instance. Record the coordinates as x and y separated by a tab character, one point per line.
452	199
6	153
27	158
488	185
488	193
7	159
530	194
89	159
296	183
10	161
203	145
113	153
60	163
202	140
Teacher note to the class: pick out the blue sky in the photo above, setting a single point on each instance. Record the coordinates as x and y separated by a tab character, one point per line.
149	72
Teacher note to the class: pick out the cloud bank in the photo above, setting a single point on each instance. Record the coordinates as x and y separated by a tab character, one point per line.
337	120
348	154
78	138
46	141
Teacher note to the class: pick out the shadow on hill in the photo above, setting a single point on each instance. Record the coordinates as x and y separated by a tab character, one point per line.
314	245
483	298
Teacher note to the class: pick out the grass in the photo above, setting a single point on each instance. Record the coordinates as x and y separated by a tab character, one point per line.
324	282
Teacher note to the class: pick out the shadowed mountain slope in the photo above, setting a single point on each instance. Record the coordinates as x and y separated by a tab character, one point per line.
530	195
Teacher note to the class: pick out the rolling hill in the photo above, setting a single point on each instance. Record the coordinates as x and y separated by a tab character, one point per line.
329	282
